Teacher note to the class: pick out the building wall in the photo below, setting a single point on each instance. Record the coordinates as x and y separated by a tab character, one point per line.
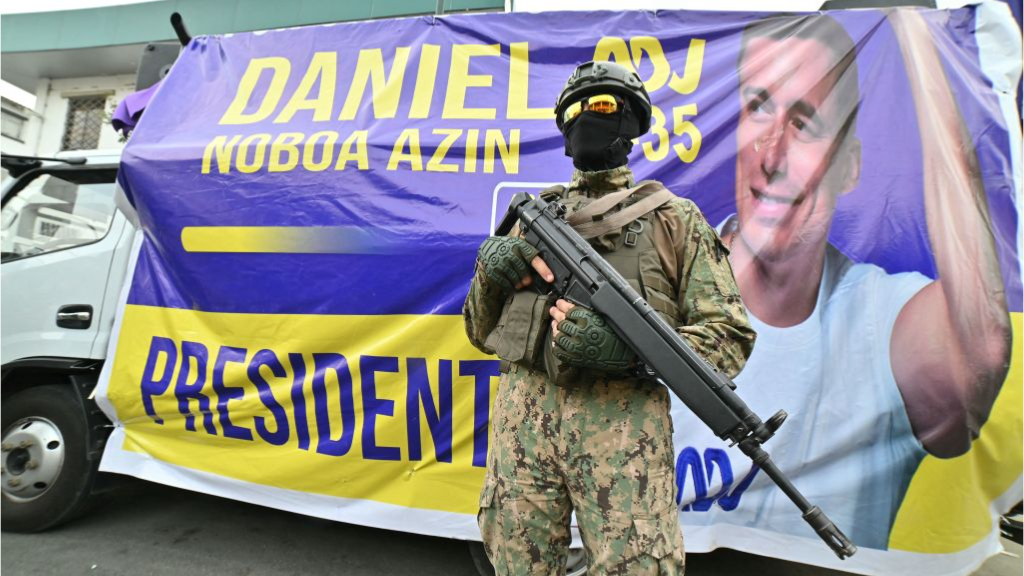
17	145
52	106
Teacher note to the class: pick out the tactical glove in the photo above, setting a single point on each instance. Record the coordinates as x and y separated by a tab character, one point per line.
585	340
506	261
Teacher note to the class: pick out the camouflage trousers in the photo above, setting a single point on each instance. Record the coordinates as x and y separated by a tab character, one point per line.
603	449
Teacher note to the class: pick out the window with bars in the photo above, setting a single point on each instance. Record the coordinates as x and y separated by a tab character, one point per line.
86	115
13	124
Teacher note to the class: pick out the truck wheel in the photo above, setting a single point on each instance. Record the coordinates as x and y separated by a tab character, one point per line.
46	474
1010	524
575	564
480	559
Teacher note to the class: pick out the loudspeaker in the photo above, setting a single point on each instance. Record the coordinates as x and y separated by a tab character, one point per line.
157	59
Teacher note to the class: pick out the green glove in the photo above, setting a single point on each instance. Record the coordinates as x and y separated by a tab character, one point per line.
506	260
585	340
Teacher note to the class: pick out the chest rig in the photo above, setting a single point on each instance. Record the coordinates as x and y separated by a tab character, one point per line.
620	226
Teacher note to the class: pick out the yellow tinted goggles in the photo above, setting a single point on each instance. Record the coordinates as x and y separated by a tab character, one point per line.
600	103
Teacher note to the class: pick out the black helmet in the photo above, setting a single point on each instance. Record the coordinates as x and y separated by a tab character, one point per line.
606	77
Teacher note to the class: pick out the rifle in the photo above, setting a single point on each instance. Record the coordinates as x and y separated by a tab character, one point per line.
583	277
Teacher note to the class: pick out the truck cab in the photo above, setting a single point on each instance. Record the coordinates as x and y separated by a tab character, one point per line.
65	249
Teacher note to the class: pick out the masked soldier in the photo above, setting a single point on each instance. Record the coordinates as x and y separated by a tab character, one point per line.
574	427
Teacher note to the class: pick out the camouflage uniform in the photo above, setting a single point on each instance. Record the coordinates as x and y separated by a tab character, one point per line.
599	445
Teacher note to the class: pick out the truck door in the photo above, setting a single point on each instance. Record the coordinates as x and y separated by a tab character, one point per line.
58	232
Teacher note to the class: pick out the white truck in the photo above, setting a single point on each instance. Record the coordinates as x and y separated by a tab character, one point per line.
65	250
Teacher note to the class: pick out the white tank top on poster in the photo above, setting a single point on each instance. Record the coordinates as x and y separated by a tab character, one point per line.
847	444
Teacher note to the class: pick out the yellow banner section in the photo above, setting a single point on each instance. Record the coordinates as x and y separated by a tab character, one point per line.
348	406
946	506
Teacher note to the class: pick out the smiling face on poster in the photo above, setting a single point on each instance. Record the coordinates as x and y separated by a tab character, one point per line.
798	150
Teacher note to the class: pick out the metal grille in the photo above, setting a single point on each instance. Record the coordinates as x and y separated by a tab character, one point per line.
86	115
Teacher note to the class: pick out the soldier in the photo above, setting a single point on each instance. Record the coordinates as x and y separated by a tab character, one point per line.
575	431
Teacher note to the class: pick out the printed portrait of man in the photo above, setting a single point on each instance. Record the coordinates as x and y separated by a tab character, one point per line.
876	370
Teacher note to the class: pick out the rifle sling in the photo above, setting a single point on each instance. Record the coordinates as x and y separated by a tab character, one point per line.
605	203
594	228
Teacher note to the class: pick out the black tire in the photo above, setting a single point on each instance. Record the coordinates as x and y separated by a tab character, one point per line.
480	560
68	494
1010	524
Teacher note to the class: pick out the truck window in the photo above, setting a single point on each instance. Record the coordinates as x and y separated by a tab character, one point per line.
56	211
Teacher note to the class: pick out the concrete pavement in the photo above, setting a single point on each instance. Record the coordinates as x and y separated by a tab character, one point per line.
148	529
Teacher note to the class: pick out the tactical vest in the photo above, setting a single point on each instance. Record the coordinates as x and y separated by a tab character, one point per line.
625	241
631	251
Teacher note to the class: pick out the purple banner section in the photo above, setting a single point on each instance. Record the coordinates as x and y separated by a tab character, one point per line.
412	129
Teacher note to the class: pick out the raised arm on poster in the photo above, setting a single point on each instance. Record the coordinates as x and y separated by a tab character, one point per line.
951	342
583	277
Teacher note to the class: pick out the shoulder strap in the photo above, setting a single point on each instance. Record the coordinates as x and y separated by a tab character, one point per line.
659	195
605	203
599	206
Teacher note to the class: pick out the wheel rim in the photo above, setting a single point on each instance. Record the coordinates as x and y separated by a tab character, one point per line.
576	563
33	454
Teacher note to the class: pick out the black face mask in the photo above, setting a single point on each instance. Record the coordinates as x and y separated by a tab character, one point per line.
601	141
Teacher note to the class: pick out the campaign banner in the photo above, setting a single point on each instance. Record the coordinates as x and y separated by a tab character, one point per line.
311	201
